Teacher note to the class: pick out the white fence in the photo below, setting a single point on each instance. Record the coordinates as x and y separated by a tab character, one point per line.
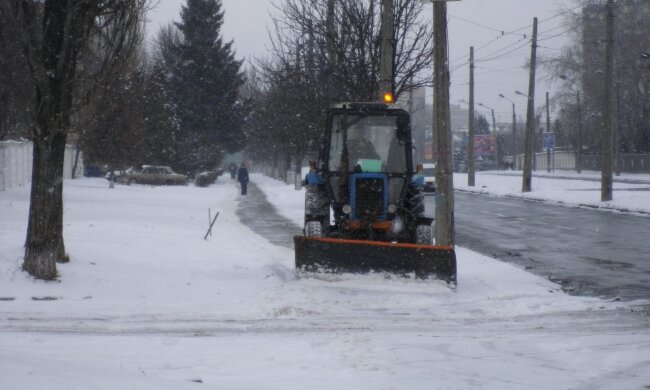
16	164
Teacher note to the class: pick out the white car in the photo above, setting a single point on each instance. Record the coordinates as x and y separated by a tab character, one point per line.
429	173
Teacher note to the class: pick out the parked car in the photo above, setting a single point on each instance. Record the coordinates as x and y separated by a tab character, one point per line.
205	178
94	171
154	175
429	172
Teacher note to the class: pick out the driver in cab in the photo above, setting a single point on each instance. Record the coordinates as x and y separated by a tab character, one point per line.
360	148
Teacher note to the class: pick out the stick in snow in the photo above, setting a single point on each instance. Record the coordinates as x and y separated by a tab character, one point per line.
211	224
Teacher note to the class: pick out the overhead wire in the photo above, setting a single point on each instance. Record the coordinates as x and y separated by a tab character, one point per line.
492	56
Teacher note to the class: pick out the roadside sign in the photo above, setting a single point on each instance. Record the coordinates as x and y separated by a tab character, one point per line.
549	141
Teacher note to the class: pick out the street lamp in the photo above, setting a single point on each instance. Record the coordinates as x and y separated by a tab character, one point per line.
514	131
496	138
579	140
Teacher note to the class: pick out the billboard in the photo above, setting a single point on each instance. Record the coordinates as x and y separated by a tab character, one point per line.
485	145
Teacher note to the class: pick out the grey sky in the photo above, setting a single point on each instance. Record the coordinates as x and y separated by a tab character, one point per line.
246	22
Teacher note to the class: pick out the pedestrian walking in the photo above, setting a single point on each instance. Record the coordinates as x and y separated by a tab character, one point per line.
233	171
242	178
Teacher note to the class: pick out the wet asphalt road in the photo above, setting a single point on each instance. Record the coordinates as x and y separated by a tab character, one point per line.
588	252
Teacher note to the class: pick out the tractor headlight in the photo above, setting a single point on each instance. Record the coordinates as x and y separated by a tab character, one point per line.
397	225
347	209
392	209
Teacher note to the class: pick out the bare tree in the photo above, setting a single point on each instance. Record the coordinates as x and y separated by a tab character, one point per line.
583	62
327	51
54	36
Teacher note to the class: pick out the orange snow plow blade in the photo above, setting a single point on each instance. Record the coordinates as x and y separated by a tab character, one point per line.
332	255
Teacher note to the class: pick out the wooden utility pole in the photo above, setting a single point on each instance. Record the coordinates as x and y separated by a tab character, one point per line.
526	185
617	134
442	130
386	57
580	133
548	131
496	140
607	142
471	181
331	52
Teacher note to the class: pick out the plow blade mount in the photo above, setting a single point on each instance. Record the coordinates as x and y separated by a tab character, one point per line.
315	254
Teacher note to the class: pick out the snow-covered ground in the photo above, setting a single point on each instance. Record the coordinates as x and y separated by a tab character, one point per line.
147	303
565	188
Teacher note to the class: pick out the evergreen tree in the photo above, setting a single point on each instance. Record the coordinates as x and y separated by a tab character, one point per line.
206	81
482	125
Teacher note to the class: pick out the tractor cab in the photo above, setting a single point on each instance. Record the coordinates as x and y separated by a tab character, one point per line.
367	166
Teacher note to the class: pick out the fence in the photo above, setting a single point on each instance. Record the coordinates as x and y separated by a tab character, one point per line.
559	160
630	163
16	163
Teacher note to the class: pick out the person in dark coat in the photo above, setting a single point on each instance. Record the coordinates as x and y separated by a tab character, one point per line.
233	171
242	178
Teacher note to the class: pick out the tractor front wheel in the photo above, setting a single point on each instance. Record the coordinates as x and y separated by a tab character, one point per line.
313	229
423	235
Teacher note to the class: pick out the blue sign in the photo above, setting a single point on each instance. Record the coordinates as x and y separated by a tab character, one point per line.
549	141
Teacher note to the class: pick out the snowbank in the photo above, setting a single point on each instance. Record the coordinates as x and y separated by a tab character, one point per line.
565	188
146	302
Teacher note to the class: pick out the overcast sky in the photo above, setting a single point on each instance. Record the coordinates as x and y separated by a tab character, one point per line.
475	23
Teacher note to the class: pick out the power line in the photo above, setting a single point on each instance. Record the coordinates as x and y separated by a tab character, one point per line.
493	56
502	32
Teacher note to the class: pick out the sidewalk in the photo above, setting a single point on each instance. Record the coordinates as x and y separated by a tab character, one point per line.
631	191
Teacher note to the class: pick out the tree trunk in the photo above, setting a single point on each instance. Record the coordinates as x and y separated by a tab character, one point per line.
57	64
77	152
287	167
44	244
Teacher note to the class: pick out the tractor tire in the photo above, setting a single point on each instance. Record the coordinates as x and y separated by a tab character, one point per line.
414	201
423	235
313	229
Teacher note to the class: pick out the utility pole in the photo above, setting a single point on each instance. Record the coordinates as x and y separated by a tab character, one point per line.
580	133
386	57
514	131
471	180
607	142
548	131
331	51
526	185
496	139
617	135
444	170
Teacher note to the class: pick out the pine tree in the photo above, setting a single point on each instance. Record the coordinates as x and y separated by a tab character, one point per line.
206	81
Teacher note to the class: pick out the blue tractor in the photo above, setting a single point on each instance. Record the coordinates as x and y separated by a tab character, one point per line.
365	212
